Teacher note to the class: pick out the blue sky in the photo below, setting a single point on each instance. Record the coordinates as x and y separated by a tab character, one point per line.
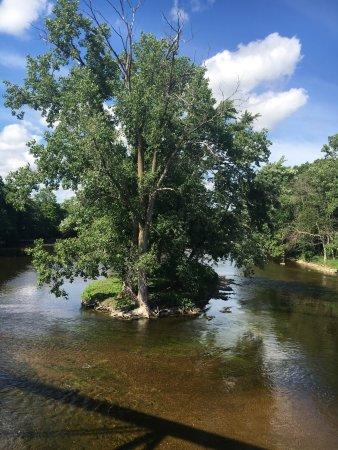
280	56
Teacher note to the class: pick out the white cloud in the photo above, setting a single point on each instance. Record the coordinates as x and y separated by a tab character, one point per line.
178	13
13	150
201	5
259	64
12	60
273	107
16	16
253	64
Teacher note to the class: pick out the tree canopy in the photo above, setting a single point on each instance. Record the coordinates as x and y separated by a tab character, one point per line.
305	217
164	177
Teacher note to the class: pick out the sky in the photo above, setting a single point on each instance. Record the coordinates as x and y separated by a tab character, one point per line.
277	58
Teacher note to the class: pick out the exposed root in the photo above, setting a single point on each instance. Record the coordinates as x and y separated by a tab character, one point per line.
156	313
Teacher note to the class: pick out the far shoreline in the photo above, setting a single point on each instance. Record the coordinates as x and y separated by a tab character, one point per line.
316	266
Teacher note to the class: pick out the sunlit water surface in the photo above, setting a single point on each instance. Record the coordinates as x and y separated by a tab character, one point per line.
264	375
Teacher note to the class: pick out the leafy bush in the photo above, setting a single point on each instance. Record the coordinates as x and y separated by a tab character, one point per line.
125	303
197	280
183	286
185	303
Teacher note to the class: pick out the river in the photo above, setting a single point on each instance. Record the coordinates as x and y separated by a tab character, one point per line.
262	375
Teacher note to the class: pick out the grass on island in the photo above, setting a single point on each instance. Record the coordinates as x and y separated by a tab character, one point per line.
107	294
100	290
332	263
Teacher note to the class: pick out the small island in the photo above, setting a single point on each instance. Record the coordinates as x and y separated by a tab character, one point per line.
112	296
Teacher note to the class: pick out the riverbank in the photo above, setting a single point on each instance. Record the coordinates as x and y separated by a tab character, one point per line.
317	266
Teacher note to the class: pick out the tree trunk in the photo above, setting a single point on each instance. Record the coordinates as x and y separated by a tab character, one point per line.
144	229
324	251
142	295
143	245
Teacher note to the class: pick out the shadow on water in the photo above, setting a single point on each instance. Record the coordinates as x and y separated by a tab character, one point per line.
11	267
154	429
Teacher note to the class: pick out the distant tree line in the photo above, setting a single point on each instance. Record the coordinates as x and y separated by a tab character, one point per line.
303	213
25	217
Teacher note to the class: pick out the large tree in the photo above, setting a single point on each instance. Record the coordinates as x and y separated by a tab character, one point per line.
162	174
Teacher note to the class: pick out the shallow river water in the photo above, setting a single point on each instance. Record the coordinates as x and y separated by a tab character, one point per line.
264	375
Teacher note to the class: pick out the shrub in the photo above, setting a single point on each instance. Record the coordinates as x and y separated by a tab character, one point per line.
125	303
185	304
184	286
197	280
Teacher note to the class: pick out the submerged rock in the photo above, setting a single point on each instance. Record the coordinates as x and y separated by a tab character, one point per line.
209	317
226	310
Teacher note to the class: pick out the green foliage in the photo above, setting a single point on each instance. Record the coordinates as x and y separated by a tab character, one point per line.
186	304
125	303
331	148
188	282
20	184
197	280
305	216
25	216
315	203
274	186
